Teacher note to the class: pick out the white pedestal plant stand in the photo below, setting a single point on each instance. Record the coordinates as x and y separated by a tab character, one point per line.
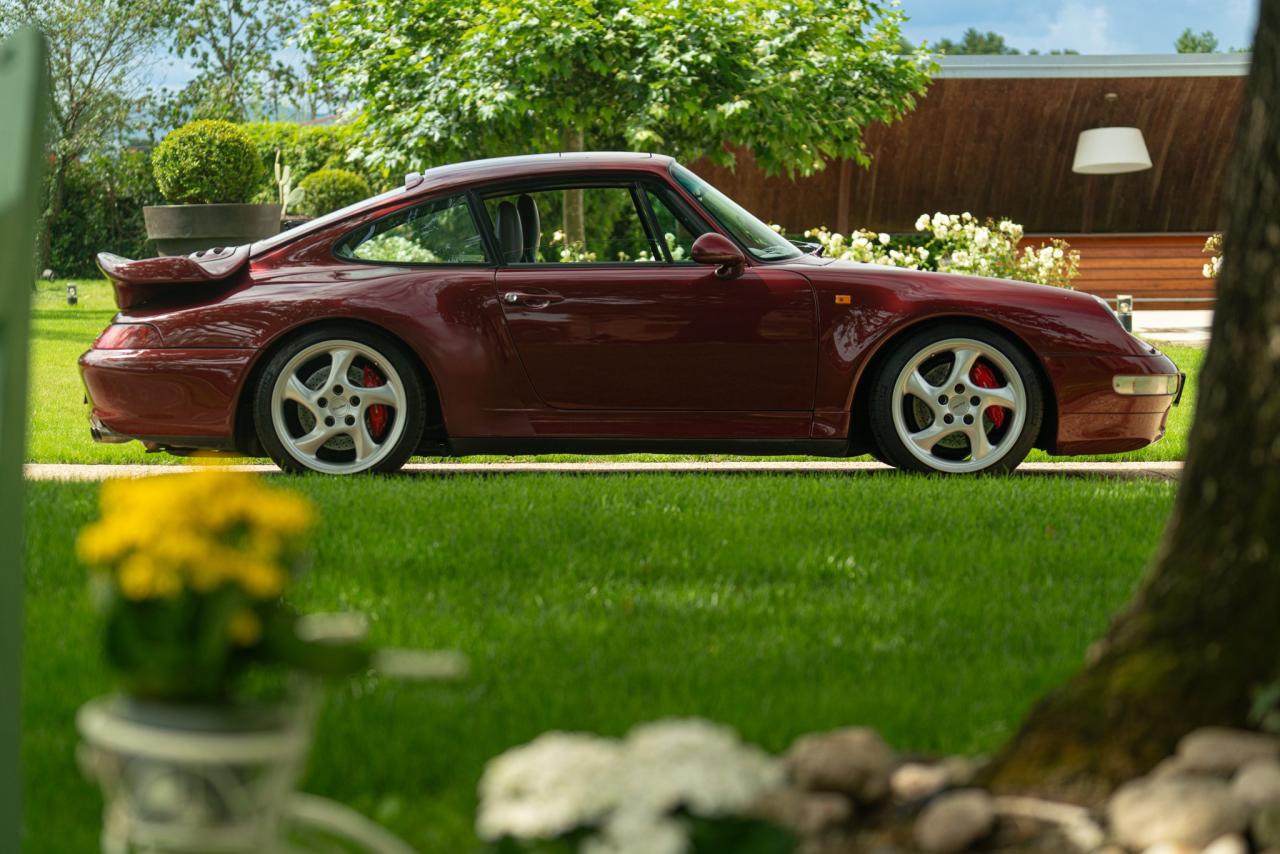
185	779
181	779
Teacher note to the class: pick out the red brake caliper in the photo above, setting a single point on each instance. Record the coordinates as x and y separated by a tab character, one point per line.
378	412
983	377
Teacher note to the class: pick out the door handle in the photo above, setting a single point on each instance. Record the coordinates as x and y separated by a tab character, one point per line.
532	300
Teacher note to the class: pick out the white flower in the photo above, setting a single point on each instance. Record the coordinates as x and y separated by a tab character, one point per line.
638	832
922	224
981	237
555	783
694	764
884	239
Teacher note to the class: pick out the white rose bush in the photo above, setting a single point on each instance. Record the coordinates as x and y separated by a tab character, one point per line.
957	243
677	786
1213	248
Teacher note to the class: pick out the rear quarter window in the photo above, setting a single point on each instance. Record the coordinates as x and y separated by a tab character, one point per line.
437	232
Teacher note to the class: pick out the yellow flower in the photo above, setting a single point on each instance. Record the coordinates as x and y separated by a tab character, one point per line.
143	577
244	628
260	579
201	531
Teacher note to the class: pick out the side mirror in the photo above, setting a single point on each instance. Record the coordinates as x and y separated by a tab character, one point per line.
713	248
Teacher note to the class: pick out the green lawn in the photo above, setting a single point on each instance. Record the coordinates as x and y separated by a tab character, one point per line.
60	433
934	609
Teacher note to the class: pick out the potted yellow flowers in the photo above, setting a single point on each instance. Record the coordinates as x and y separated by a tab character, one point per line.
204	742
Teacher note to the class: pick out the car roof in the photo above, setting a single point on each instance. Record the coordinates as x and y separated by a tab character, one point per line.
499	168
493	169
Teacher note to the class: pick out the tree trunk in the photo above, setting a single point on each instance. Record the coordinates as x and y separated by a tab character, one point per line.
57	191
1203	632
575	230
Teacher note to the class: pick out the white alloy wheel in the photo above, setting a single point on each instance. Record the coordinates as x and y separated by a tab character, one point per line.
959	405
338	406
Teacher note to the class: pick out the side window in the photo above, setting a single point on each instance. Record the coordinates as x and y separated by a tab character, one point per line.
676	229
531	227
439	232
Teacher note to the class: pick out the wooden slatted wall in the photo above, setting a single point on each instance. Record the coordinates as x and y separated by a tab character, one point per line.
1161	267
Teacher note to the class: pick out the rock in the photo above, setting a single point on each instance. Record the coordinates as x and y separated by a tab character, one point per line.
1170	766
1190	811
1257	784
914	781
962	769
1266	827
1231	844
806	814
954	821
855	761
1219	750
1073	823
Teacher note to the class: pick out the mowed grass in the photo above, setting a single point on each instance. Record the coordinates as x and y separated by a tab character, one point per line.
934	609
59	427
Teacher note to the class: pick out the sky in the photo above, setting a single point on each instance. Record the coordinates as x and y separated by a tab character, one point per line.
1089	26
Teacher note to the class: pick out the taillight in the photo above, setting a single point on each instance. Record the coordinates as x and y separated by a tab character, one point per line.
129	336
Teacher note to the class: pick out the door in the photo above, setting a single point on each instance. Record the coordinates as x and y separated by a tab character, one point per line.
616	320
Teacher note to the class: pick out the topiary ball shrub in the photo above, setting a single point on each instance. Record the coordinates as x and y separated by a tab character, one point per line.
206	162
329	189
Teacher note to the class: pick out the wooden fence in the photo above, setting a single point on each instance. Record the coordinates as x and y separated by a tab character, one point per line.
1160	271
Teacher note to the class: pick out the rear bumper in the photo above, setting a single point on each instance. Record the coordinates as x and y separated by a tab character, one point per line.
183	398
1093	418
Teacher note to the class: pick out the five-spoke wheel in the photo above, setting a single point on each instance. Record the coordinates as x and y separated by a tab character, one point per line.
957	399
341	402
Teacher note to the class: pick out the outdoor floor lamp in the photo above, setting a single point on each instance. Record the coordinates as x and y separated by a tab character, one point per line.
24	87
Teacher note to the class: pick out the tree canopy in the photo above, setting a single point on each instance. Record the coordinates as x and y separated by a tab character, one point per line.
1192	42
234	47
796	83
974	42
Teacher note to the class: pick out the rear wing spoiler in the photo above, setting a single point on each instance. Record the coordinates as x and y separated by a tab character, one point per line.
139	282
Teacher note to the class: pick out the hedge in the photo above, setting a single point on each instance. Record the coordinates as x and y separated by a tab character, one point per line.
102	205
304	149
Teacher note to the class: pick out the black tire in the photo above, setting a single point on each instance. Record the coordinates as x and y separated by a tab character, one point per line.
1009	451
383	352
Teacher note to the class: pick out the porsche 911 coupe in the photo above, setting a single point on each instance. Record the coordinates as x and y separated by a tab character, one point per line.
457	315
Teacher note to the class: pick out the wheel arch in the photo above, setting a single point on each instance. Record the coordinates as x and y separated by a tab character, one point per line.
246	436
860	416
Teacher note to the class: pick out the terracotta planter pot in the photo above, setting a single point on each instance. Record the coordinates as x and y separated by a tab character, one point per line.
182	229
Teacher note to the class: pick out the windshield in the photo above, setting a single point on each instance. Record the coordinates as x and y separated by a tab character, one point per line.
761	240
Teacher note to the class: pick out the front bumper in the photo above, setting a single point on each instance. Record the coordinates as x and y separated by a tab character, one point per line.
183	398
1093	418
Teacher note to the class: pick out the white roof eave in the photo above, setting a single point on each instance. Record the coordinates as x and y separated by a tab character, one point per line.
1118	65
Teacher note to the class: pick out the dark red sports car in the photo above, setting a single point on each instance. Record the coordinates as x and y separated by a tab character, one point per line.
454	315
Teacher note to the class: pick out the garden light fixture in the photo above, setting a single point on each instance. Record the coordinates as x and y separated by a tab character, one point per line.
1111	150
1124	311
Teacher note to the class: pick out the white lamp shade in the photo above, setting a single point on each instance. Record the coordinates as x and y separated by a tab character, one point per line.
1110	151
